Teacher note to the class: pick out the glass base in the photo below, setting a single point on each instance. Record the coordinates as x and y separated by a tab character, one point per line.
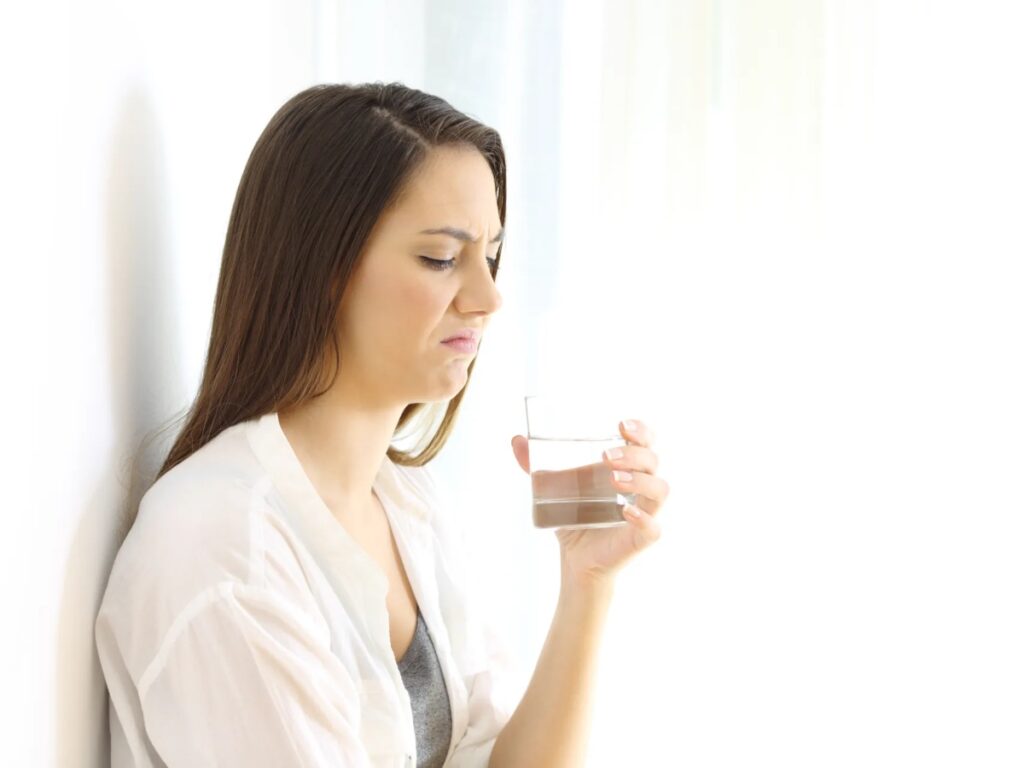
579	513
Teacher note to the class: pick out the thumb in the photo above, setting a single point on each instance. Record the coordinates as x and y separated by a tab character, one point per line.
521	450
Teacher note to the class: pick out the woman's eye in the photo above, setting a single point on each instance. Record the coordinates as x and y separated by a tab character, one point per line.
437	263
441	264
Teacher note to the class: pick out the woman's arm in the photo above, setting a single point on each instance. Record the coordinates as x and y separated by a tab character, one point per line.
549	728
551	725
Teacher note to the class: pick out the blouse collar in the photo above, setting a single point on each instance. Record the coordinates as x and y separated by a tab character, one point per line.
407	510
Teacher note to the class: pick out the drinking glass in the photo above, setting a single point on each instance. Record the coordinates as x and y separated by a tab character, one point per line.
572	485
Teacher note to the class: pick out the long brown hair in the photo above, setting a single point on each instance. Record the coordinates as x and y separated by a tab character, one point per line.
331	160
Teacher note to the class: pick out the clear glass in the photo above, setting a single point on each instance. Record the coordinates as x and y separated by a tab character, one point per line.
572	484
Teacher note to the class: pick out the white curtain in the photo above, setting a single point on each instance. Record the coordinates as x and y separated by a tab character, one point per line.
791	228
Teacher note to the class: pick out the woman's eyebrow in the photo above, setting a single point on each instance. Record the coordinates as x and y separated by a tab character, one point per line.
461	234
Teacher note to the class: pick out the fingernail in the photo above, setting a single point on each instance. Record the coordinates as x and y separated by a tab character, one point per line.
613	453
629	425
622	476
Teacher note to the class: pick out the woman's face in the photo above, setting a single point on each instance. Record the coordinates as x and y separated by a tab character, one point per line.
398	308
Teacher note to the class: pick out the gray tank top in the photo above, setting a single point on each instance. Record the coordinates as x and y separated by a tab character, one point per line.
431	711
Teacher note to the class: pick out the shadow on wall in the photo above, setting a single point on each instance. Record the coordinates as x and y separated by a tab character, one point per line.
143	371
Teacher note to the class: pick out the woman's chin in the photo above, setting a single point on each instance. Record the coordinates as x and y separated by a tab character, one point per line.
452	383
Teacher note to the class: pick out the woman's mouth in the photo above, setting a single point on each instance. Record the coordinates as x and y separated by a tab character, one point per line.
467	346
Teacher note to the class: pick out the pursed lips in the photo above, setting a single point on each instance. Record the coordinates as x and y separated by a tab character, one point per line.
467	335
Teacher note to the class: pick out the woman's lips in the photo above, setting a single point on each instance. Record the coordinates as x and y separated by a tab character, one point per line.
467	346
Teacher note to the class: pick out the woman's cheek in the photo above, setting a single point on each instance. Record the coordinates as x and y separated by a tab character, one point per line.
421	303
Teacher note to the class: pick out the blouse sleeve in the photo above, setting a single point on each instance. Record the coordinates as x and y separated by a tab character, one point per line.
244	678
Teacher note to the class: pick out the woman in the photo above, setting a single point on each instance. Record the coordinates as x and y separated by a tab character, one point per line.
290	593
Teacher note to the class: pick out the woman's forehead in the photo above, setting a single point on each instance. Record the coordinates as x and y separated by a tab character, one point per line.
452	192
468	218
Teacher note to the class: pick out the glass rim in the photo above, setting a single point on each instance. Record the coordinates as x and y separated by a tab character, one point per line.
567	430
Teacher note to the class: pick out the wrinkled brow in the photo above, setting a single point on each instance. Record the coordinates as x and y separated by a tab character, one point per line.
461	234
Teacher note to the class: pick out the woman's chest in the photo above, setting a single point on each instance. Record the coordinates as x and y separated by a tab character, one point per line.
350	591
378	540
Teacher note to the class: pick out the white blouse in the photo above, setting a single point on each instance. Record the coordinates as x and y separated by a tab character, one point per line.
242	625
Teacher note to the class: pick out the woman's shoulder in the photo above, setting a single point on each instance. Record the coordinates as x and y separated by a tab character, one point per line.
196	527
203	500
207	530
222	469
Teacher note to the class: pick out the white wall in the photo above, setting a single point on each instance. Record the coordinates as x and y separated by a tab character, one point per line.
126	126
792	227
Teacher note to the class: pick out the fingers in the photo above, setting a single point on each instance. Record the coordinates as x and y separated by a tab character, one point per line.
633	458
644	524
637	432
634	467
651	490
639	463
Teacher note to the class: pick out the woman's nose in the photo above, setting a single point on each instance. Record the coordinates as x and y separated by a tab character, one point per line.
479	292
